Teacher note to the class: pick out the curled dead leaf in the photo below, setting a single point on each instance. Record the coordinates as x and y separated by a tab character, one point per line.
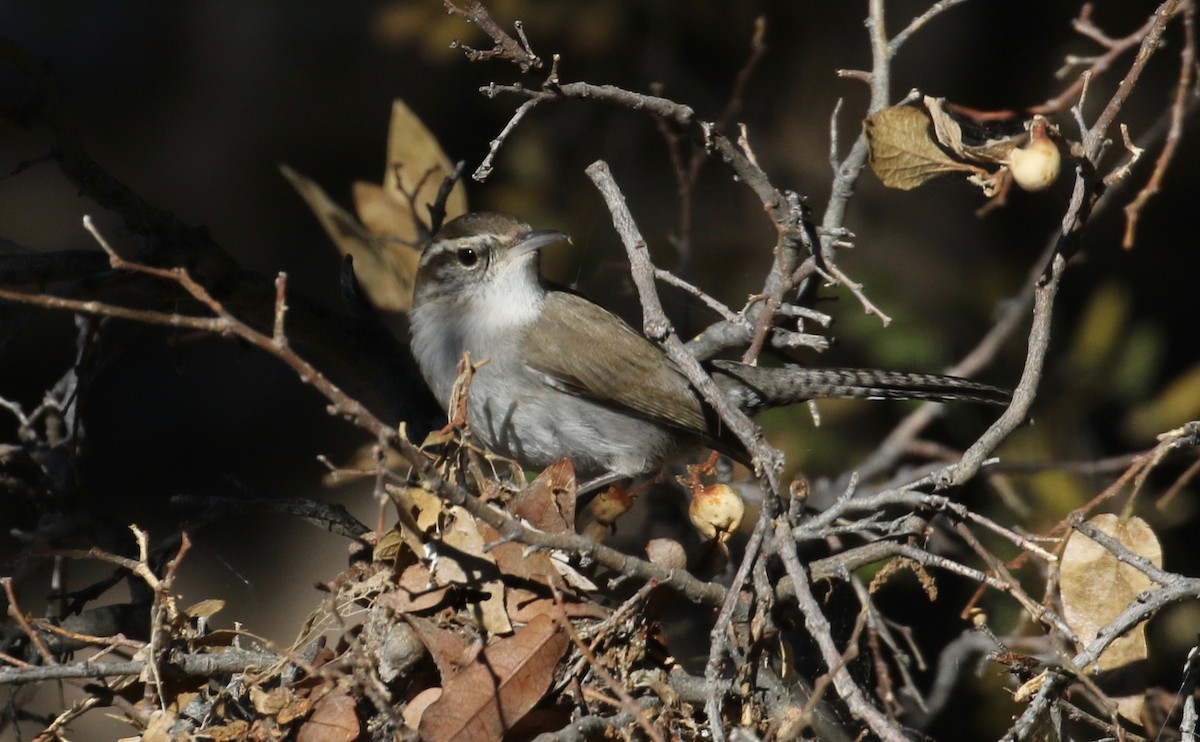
903	154
911	144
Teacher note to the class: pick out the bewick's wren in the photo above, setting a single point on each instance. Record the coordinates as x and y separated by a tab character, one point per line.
566	378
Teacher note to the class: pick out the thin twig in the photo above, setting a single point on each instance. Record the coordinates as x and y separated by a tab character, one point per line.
768	461
485	168
818	629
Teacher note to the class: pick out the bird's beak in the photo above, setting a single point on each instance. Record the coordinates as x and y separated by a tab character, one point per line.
536	240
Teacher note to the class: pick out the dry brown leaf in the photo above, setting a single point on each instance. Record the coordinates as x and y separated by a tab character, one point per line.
234	731
384	270
388	546
414	591
424	506
548	503
1095	588
297	709
333	720
492	612
463	535
513	560
949	134
281	703
415	708
270	702
493	693
903	154
205	608
416	167
526	605
159	727
217	638
450	649
418	513
460	531
912	144
382	215
387	249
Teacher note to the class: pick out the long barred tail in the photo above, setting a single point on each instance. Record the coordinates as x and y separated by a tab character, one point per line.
754	388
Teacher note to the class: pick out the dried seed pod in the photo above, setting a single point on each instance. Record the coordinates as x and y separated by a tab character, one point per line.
716	510
611	504
1035	166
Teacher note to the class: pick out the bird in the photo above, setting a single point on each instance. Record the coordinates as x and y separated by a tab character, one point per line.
562	377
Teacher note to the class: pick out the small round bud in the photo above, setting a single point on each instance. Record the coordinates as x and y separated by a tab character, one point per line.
798	490
666	552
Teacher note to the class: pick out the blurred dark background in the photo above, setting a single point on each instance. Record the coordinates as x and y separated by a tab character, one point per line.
195	104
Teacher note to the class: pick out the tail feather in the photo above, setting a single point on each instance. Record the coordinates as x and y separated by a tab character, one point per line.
754	388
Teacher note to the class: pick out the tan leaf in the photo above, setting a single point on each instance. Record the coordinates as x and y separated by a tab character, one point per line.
382	270
462	564
416	167
903	153
450	649
388	547
205	608
492	612
548	503
234	731
949	134
461	533
384	215
526	605
333	720
423	506
159	727
414	591
513	560
296	709
270	702
1096	587
387	249
418	513
493	693
415	708
217	638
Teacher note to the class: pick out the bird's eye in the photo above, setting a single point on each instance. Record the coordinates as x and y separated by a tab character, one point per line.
467	257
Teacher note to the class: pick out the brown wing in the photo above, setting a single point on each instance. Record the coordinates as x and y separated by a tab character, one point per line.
616	366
